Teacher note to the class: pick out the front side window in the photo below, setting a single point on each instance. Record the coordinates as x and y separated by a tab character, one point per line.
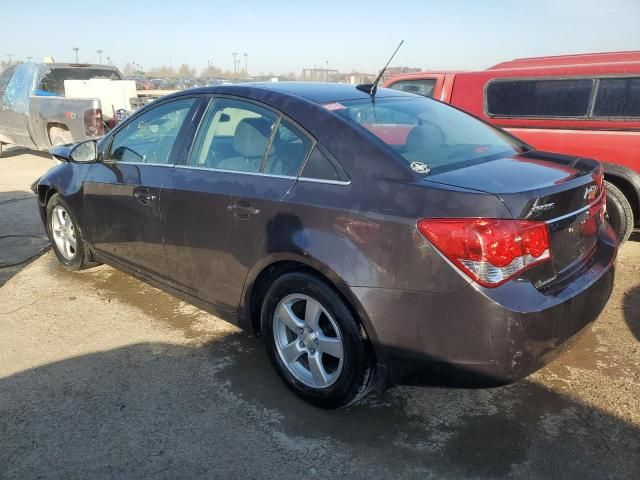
422	87
429	132
539	98
618	97
150	137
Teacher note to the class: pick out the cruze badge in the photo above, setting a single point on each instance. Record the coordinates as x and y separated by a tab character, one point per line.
542	208
420	167
590	192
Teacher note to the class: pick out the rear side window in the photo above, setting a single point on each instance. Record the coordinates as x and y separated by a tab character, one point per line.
420	87
234	136
321	167
618	97
539	98
287	152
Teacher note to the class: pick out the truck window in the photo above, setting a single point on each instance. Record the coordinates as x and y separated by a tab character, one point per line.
5	78
618	97
52	80
421	87
539	98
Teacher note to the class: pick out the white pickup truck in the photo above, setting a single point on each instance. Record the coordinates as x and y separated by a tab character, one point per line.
36	113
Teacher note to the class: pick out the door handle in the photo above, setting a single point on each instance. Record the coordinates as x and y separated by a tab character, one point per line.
243	210
144	196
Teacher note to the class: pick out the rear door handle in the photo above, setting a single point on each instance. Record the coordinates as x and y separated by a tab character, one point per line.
144	196
243	210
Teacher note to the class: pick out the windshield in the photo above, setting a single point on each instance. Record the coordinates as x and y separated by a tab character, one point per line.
428	132
52	81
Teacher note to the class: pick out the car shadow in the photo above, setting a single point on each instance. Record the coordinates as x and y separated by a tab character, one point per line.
218	410
22	235
14	151
631	308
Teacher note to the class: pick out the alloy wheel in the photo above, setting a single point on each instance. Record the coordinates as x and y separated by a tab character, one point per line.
63	231
308	341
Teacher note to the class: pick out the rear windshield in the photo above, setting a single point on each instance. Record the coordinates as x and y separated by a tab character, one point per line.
52	80
425	131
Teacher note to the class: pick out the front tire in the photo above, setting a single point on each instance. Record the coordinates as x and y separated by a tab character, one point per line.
315	343
65	236
619	212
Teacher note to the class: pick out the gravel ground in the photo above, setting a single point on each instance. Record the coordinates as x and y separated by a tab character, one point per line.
103	376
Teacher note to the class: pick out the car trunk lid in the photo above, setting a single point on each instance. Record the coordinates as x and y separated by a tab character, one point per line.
565	192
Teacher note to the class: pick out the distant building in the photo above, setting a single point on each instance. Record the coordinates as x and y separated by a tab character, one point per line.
393	71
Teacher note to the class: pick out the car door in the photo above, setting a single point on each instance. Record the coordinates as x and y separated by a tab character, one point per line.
122	192
218	208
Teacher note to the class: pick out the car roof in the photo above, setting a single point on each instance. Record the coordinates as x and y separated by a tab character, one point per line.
316	92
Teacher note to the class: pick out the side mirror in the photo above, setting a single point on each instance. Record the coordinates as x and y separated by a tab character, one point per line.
85	152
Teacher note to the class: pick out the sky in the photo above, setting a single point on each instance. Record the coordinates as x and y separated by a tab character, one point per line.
281	37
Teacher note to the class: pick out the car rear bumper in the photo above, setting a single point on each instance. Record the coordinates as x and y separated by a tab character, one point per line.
481	336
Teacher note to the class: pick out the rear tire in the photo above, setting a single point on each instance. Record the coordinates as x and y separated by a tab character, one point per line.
346	374
619	212
60	136
66	237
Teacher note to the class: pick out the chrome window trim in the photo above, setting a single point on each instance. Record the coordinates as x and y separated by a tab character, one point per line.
116	162
320	180
576	212
257	174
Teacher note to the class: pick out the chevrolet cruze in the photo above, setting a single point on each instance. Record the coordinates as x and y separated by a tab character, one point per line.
371	238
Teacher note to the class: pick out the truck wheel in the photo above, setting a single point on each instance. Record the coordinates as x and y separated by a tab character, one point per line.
59	136
619	212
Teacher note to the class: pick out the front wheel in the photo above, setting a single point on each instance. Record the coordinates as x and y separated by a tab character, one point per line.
619	212
65	236
315	343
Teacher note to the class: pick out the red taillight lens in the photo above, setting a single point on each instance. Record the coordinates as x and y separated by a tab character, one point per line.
490	251
93	126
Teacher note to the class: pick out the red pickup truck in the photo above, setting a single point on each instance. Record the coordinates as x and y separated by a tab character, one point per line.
584	105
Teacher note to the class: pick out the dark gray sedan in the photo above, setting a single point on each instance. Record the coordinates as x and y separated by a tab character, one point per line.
371	240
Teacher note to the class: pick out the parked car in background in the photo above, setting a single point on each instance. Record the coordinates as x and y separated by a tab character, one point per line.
34	112
584	105
457	253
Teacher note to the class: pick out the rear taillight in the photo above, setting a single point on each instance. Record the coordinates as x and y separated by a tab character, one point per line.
93	126
490	251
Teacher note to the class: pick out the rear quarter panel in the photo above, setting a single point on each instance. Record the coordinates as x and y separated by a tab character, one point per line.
45	111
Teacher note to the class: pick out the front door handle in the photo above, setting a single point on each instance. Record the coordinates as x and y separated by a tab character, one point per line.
144	196
243	210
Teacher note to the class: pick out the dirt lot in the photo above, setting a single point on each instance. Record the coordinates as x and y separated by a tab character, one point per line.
102	376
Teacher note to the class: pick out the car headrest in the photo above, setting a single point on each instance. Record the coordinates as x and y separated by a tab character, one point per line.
251	137
424	137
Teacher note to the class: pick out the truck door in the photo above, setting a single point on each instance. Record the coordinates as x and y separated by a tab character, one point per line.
14	104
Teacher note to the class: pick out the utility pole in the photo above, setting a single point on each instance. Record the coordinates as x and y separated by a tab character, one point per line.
109	60
208	70
75	49
99	52
327	77
235	62
246	63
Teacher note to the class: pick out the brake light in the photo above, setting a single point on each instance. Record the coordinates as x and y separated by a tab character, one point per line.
93	126
490	251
